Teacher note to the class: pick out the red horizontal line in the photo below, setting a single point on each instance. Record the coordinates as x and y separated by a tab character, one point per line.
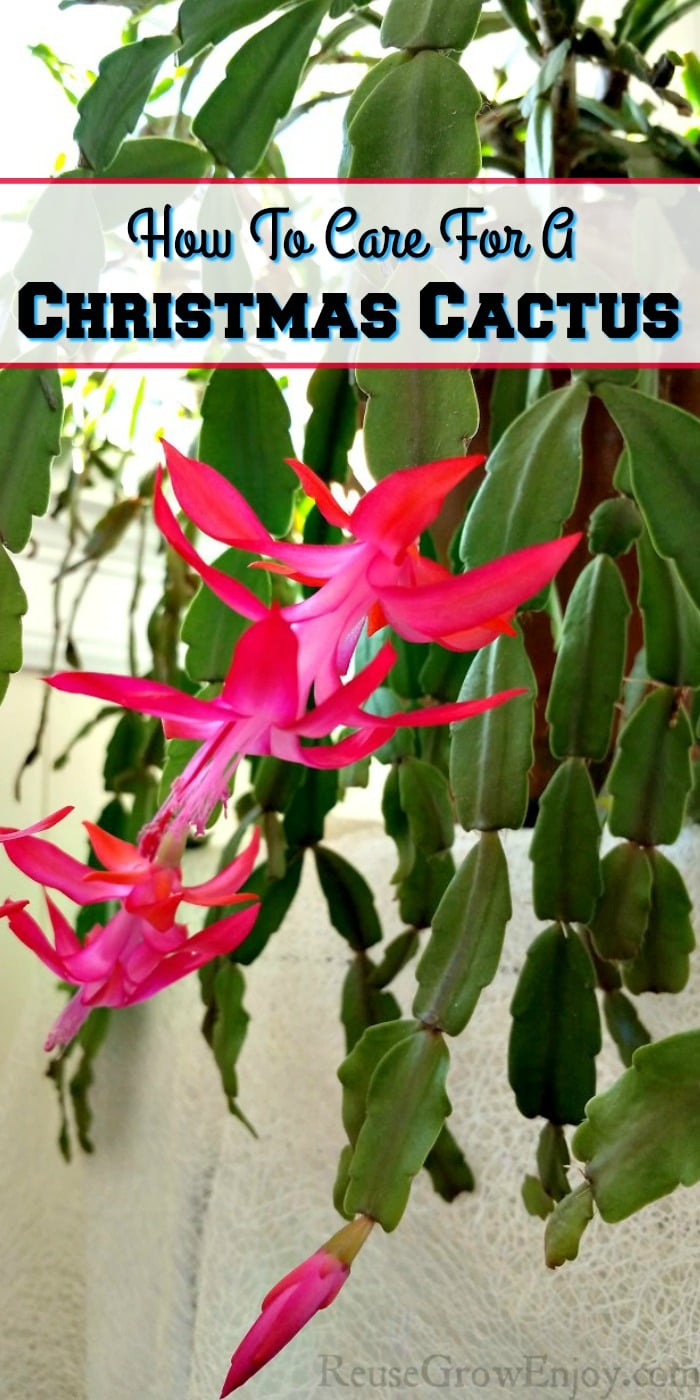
87	181
283	365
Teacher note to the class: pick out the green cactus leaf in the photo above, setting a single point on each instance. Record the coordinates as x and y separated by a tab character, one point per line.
463	952
555	1035
641	1138
564	850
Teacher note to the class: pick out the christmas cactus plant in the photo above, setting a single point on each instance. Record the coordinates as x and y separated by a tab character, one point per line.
507	620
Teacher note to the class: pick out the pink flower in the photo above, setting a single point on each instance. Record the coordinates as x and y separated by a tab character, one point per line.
129	958
152	889
262	710
380	577
288	654
294	1301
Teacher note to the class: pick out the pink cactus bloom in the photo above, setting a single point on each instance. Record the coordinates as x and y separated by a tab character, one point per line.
262	710
288	654
380	577
129	958
286	1309
153	889
294	1301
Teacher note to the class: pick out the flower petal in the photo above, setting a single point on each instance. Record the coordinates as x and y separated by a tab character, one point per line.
65	939
150	697
471	599
10	833
138	964
312	1275
215	941
99	954
231	592
209	500
425	570
263	678
341	706
158	910
223	887
321	494
442	714
271	1331
315	563
114	853
473	638
49	865
401	506
27	930
107	991
349	750
113	881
